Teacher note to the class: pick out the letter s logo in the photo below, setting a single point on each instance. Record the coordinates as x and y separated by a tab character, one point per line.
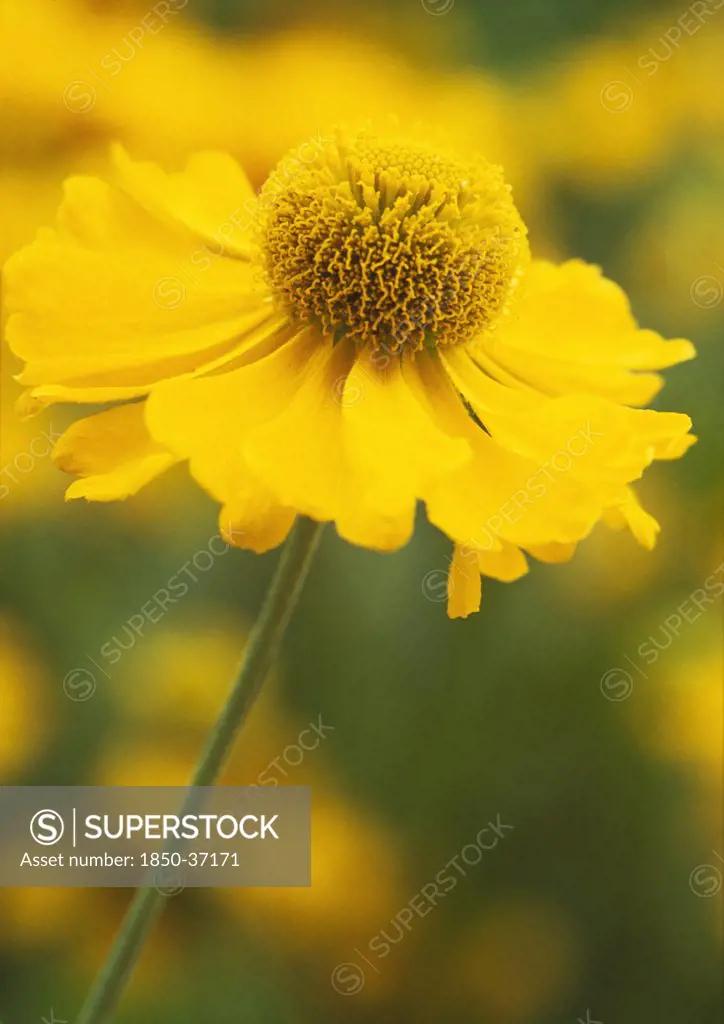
46	827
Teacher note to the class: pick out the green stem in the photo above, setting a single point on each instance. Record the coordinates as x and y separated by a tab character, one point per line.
263	644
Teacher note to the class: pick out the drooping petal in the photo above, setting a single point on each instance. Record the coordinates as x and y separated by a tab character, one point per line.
630	513
112	452
506	565
464	585
590	438
253	520
500	496
575	332
393	441
553	553
113	291
207	419
258	334
355	446
299	452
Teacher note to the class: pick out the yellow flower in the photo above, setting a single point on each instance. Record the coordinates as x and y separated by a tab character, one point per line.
679	244
589	120
355	881
687	714
366	333
23	724
517	962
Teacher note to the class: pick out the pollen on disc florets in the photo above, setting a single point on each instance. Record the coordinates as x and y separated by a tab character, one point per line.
389	243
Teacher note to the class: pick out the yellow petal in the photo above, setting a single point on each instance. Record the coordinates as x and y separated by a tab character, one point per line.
506	565
208	419
393	438
257	334
574	331
212	197
552	553
113	452
299	453
464	586
355	446
631	514
114	291
255	522
586	437
674	446
501	497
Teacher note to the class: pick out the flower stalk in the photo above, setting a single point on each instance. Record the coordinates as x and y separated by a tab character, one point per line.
264	642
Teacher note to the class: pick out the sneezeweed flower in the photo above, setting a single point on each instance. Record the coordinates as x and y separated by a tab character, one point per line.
367	332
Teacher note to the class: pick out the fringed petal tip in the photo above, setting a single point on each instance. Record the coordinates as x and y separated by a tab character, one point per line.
112	453
632	516
120	484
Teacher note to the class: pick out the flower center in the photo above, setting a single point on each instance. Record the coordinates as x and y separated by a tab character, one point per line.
390	243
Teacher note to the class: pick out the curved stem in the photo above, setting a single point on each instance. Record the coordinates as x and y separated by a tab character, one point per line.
263	644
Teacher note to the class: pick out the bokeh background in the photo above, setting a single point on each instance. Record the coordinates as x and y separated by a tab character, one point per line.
603	902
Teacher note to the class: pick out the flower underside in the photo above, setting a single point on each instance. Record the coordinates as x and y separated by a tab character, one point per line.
391	245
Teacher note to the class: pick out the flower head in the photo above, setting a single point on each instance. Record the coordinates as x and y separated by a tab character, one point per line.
390	244
367	333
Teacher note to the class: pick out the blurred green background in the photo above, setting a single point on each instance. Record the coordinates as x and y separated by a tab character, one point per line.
603	902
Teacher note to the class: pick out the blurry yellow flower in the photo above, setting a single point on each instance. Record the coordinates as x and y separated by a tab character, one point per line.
598	118
474	108
179	676
680	718
143	761
518	963
367	332
354	886
676	260
44	42
43	915
614	110
588	120
77	72
72	924
689	725
697	75
166	692
23	725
